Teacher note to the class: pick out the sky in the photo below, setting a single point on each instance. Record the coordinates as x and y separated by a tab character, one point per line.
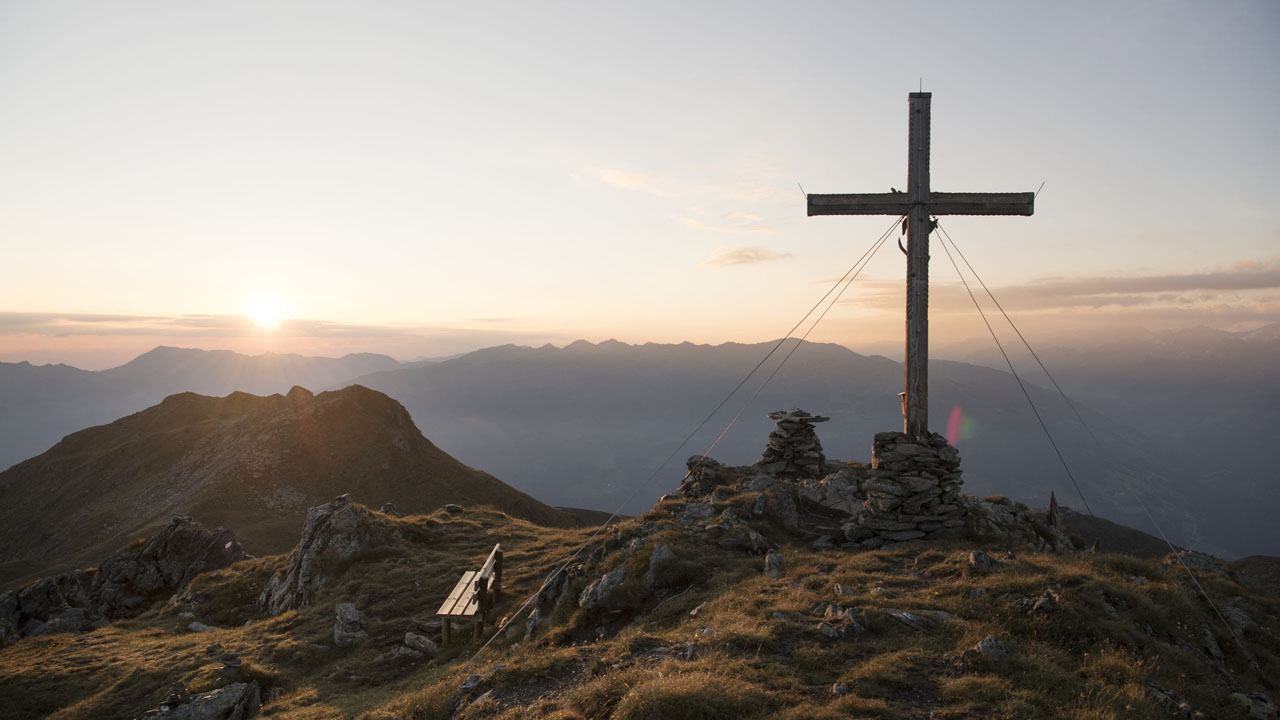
422	179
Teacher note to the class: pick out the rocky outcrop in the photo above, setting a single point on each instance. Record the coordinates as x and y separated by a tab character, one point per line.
794	449
169	560
124	584
1010	524
661	563
332	534
912	491
601	591
841	491
701	478
554	591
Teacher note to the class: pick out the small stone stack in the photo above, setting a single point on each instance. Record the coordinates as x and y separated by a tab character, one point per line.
793	447
913	491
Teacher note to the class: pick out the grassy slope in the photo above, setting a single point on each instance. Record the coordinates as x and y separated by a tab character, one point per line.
1078	662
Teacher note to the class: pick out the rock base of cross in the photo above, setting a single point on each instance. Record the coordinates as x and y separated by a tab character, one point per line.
912	492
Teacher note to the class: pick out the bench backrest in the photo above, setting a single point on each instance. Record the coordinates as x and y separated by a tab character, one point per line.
475	592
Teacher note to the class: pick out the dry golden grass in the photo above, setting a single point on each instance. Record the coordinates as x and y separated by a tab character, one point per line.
646	657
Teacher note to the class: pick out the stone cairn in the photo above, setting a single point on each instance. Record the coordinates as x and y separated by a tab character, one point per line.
793	447
912	491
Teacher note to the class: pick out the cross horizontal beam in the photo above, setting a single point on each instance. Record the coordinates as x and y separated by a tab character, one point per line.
940	203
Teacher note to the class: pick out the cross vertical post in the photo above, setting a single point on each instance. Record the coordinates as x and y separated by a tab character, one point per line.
919	204
916	405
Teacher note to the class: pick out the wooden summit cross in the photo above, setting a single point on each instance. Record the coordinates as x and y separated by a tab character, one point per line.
918	203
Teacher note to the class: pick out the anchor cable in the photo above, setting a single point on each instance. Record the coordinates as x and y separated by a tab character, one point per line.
1102	448
1021	385
854	270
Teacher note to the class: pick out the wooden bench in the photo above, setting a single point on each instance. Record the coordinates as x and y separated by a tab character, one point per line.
473	596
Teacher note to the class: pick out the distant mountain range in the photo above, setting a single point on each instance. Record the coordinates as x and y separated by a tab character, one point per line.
586	424
251	463
1184	417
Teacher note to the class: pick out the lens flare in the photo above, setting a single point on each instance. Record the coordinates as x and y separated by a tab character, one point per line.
959	426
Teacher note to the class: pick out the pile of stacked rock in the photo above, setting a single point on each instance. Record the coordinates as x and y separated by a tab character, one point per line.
794	449
912	491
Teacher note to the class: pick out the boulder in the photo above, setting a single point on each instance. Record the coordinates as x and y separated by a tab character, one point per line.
420	643
237	701
773	563
348	625
979	560
991	648
661	563
701	478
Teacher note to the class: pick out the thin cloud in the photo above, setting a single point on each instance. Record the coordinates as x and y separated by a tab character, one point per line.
743	256
1234	291
631	180
738	222
220	326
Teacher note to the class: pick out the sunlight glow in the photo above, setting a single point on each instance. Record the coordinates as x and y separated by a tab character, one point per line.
265	311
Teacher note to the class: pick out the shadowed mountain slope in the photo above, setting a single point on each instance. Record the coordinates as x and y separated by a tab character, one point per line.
243	461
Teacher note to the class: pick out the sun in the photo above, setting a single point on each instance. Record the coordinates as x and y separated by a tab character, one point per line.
266	312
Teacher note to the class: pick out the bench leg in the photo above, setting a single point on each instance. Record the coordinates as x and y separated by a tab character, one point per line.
480	628
444	631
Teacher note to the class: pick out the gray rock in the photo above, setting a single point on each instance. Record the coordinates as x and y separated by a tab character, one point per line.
348	625
196	626
121	586
421	643
1168	701
402	652
554	590
1239	618
601	591
840	689
991	648
840	491
828	630
237	701
1256	705
1046	603
910	620
697	511
661	562
979	560
773	563
758	542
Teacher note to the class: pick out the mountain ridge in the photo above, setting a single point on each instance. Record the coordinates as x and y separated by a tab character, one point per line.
244	461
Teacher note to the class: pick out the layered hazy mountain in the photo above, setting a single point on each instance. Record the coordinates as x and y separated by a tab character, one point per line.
1184	417
39	404
254	464
586	424
1207	397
